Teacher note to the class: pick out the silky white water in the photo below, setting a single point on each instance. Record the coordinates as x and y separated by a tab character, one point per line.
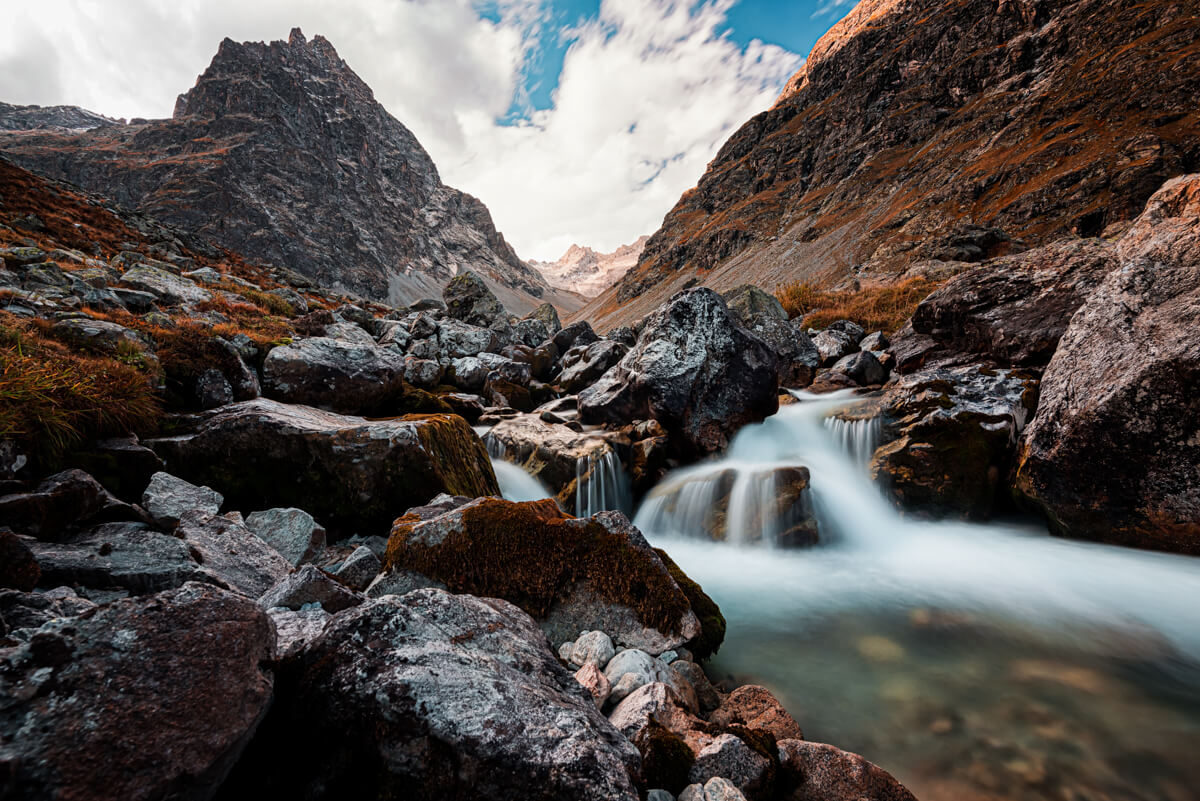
1103	642
516	484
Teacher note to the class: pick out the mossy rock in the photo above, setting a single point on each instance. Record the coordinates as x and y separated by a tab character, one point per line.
666	758
712	622
571	574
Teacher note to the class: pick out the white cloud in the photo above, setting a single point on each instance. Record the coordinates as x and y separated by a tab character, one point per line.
647	94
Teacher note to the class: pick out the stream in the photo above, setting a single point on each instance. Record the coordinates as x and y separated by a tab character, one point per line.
971	661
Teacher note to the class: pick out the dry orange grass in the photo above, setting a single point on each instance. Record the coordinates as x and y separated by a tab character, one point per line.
876	308
52	398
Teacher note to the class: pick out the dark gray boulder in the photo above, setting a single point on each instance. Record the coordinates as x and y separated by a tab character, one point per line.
352	474
434	696
695	370
145	698
352	378
469	299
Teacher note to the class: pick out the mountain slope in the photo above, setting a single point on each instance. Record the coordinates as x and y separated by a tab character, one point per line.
922	129
587	272
281	153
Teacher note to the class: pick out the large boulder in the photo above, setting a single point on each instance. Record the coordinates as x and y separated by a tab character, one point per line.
146	698
350	473
798	358
547	315
434	696
695	370
570	574
1015	308
584	364
469	299
951	436
348	377
129	556
1113	453
748	301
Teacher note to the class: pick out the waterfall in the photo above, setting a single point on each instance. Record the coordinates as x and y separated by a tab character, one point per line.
742	497
516	484
601	484
857	438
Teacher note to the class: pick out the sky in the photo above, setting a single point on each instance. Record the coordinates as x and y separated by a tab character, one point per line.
575	121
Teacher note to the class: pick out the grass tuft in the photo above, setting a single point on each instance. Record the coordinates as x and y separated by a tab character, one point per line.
52	399
876	308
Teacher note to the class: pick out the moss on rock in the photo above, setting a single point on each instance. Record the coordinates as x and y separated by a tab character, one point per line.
712	622
666	758
534	555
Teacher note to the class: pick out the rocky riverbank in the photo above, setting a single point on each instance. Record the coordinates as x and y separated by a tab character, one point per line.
265	552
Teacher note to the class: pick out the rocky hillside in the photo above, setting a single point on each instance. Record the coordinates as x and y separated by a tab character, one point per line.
924	130
587	272
69	118
281	152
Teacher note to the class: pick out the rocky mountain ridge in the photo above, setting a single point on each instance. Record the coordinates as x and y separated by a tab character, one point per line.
67	118
923	132
281	152
587	272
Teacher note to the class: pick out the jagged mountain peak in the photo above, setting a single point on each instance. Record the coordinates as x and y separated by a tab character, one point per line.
281	152
588	272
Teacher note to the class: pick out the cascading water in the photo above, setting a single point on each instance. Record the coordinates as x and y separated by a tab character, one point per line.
917	642
515	483
601	484
857	438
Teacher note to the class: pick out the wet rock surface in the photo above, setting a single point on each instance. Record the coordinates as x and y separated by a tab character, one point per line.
951	438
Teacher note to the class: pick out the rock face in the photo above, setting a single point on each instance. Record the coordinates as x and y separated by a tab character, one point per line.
1014	309
695	370
1113	453
953	434
587	272
83	705
347	377
570	574
34	118
432	696
918	129
350	473
345	176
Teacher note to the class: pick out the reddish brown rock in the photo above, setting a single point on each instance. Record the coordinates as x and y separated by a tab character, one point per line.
1014	309
755	707
1113	453
823	773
